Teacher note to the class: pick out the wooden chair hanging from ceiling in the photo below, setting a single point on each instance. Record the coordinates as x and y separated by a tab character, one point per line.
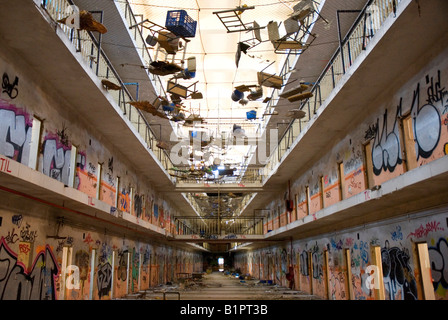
180	90
231	19
298	36
164	39
269	80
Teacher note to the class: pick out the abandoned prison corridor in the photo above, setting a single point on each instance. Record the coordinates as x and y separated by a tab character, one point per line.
219	286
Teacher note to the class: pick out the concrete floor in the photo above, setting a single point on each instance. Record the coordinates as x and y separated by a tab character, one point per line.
218	286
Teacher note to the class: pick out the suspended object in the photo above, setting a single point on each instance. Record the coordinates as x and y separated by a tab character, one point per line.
302	9
180	90
237	95
251	115
192	118
163	145
300	96
163	68
238	131
287	43
178	117
108	85
296	113
169	41
180	23
300	89
255	94
169	108
243	102
244	88
148	107
190	71
196	95
86	22
232	21
291	26
269	80
241	47
151	40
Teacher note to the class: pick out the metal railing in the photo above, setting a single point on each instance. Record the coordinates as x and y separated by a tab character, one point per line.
213	227
90	49
242	177
369	20
140	44
244	201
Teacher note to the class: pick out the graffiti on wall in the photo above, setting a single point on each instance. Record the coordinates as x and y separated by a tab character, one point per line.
426	126
386	150
399	280
426	118
438	255
138	205
317	263
122	274
424	230
15	132
10	88
125	200
104	279
56	157
304	263
35	283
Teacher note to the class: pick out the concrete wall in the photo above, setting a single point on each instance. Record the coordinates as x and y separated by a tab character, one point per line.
62	128
32	265
374	150
397	240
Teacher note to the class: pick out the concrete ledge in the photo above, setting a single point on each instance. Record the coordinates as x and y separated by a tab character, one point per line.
425	185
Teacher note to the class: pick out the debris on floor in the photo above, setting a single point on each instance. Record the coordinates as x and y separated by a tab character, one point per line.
222	285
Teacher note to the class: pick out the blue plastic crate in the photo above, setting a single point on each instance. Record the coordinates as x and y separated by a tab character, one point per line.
180	23
251	115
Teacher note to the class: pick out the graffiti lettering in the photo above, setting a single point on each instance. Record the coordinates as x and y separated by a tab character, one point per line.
423	231
427	126
439	264
337	284
88	239
304	263
56	159
397	235
12	237
24	248
17	220
15	134
317	265
138	205
4	166
17	283
398	274
10	88
434	91
122	266
104	279
386	153
27	235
